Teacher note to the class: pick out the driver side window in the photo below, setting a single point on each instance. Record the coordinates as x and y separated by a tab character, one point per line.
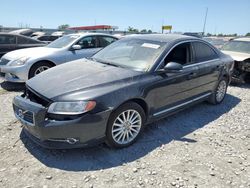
180	54
87	42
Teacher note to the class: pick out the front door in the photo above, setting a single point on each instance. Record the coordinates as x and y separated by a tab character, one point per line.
88	47
173	89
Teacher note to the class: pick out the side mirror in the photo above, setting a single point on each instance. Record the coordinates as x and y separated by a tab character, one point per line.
172	67
76	47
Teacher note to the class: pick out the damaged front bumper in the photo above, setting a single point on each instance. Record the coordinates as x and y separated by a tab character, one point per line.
60	134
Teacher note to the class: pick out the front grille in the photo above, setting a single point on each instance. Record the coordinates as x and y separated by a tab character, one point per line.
24	114
4	61
34	97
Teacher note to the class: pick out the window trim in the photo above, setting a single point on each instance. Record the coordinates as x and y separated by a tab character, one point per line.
207	46
181	42
191	53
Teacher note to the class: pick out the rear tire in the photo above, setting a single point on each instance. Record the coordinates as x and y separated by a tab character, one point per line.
220	92
38	68
125	125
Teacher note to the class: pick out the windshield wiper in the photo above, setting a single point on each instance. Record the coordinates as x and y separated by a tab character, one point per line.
91	58
103	62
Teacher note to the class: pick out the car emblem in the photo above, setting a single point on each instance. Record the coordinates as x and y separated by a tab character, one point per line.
20	113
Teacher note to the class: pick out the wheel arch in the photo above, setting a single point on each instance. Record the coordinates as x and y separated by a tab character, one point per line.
139	101
40	61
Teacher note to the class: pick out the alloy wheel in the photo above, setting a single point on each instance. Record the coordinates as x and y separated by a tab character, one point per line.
221	91
126	126
41	69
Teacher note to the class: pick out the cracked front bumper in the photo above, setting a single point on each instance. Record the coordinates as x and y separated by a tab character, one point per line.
54	133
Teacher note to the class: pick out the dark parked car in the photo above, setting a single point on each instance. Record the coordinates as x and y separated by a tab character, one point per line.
10	42
114	94
25	32
47	38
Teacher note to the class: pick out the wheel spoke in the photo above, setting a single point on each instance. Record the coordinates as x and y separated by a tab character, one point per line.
119	119
118	129
128	112
134	122
117	134
130	132
127	136
118	125
134	118
132	129
123	116
122	133
132	115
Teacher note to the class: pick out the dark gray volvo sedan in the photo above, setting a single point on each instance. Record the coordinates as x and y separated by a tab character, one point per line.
113	95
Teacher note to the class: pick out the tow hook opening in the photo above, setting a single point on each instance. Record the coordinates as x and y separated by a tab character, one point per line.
14	76
72	140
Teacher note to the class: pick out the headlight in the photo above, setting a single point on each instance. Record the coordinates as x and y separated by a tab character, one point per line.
19	62
71	108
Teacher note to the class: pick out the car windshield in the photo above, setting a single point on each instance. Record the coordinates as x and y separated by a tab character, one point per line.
63	41
237	46
136	54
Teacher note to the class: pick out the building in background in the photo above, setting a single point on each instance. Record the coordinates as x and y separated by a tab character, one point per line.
94	28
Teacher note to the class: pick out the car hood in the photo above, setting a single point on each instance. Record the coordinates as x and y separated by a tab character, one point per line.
30	52
237	56
81	75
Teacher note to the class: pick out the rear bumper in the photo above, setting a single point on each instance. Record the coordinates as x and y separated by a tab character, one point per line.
82	131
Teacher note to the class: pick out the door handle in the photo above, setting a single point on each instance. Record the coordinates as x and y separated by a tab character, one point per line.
191	75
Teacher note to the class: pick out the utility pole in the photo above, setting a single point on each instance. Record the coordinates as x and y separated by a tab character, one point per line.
205	21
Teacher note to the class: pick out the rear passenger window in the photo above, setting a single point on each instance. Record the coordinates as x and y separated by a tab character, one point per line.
44	38
105	41
7	39
203	52
24	40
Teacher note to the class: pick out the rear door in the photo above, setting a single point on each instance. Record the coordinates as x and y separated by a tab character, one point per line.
209	65
7	43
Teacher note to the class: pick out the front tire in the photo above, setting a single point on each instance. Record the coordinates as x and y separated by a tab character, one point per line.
125	125
38	68
220	92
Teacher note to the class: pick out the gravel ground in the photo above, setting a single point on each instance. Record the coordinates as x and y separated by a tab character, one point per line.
204	146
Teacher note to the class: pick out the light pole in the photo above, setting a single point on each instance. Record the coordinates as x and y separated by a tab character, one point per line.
205	21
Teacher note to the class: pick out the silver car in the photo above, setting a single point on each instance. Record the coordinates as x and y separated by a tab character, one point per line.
21	65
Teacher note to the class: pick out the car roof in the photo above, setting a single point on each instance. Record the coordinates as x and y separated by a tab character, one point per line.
162	37
245	39
90	34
